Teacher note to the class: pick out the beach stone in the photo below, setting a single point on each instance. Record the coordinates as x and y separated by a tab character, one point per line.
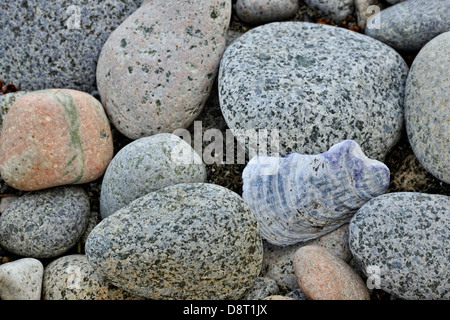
6	101
427	107
146	165
336	10
364	9
63	40
261	12
312	86
5	202
262	288
21	279
187	241
277	260
46	223
296	294
405	236
162	85
54	137
409	25
71	277
323	276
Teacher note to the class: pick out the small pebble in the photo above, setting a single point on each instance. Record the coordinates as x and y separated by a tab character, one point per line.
264	11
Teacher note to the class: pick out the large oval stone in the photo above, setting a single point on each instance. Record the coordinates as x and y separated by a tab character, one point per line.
401	242
427	107
54	137
156	70
187	241
46	223
317	85
146	165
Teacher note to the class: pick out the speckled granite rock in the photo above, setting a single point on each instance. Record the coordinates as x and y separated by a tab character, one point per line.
265	11
336	10
162	85
427	107
63	40
71	277
6	101
317	85
322	276
54	137
187	241
21	280
405	234
46	223
262	288
277	261
411	24
146	165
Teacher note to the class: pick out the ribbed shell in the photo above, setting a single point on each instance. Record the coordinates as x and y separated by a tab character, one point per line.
302	197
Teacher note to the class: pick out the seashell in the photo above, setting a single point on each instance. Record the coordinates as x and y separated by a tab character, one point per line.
302	197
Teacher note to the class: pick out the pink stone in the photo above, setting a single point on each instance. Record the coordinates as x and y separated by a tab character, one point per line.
323	276
54	137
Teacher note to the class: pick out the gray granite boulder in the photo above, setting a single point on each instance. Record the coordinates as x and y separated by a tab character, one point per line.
260	12
403	238
6	101
409	25
21	279
156	70
187	241
336	10
317	85
63	39
427	107
146	165
46	223
71	277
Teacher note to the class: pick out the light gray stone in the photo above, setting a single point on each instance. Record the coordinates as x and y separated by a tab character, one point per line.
405	236
264	11
146	165
427	107
336	10
21	279
409	25
46	223
187	241
63	39
317	85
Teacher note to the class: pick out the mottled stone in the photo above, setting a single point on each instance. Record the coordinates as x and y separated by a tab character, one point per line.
156	70
260	12
364	9
296	294
187	241
5	202
63	39
21	280
336	10
6	101
262	288
427	107
317	85
405	235
411	24
146	165
322	276
54	137
277	261
71	277
46	223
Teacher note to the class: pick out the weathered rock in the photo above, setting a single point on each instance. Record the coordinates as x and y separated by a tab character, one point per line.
411	24
405	236
187	241
21	279
336	10
317	85
322	276
54	137
63	39
157	68
427	107
146	165
71	277
261	12
46	223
